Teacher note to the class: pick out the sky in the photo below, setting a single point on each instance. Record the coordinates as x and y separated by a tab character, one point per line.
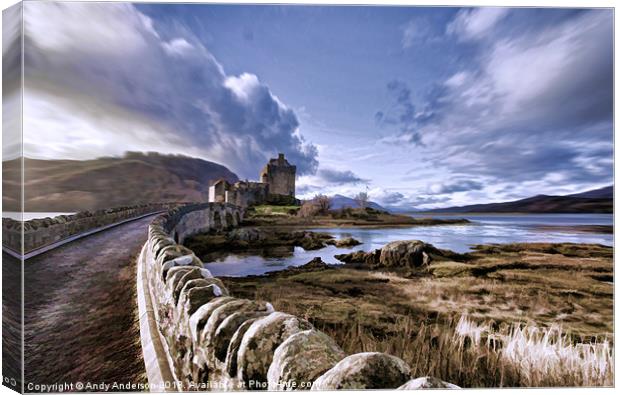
421	107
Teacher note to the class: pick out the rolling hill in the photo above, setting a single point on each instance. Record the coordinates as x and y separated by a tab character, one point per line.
339	202
135	178
595	201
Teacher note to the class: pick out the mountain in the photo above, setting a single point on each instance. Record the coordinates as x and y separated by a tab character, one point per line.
135	178
601	193
339	202
595	201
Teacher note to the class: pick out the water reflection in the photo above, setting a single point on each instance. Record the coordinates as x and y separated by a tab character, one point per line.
484	229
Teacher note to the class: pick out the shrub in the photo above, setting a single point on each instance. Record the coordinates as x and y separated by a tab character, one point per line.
319	205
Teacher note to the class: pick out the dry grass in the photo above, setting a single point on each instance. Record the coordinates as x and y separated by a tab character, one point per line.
474	356
516	298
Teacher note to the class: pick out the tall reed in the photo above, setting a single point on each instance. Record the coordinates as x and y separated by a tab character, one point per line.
481	355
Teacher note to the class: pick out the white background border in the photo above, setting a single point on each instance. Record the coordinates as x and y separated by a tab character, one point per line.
504	3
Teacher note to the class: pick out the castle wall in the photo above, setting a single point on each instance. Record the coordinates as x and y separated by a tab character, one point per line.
245	194
281	180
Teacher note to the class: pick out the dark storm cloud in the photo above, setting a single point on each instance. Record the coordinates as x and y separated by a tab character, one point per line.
305	189
402	114
393	198
454	186
398	201
422	200
530	105
163	74
331	176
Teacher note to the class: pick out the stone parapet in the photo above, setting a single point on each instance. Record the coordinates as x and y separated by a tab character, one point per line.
38	233
215	341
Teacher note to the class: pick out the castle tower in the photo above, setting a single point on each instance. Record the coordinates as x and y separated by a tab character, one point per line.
280	176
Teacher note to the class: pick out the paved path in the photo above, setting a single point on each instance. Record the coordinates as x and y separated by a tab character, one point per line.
81	321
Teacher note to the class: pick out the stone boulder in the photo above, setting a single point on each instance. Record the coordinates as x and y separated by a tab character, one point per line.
229	328
185	260
409	253
426	382
343	243
210	335
198	292
369	370
234	344
300	359
248	235
259	343
195	273
314	264
200	317
369	258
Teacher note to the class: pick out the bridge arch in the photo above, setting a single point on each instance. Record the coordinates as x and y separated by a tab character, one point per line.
217	220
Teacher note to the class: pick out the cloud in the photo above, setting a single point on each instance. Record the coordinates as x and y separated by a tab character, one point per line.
426	200
401	114
538	106
103	78
305	189
474	23
178	47
332	176
392	198
404	201
330	181
416	30
11	79
457	79
453	186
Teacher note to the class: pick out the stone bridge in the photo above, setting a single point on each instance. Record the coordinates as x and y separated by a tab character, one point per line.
193	333
199	337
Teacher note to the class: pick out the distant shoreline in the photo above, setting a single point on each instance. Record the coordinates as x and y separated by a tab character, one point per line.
605	229
494	213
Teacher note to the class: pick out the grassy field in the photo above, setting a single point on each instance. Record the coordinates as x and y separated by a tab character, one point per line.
266	209
492	319
285	216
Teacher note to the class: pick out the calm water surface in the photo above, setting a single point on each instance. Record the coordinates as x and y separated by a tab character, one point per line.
484	229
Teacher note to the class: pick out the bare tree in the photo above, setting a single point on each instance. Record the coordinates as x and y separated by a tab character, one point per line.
362	199
324	203
308	209
319	205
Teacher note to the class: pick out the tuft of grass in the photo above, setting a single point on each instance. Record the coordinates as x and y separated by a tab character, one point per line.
473	355
275	210
515	302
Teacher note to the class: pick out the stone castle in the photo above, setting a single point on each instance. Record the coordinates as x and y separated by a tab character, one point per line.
276	186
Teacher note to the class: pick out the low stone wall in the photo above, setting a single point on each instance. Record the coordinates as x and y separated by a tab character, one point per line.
215	341
42	232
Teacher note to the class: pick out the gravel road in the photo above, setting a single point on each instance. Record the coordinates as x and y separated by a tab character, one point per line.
81	321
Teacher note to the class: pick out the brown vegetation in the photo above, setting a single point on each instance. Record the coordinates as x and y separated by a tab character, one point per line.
314	215
510	290
317	206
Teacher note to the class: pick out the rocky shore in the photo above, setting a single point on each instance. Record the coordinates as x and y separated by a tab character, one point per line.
408	297
540	283
252	238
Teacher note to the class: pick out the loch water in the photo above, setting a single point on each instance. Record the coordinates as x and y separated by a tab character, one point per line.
483	229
